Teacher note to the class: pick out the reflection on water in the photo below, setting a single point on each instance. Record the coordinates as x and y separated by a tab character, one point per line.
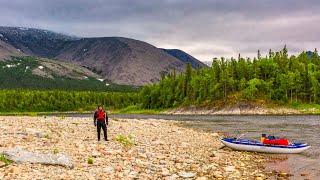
295	128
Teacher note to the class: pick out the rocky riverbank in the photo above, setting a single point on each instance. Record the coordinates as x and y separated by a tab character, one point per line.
239	109
144	149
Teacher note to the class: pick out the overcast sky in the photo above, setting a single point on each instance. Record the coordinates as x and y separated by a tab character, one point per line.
203	28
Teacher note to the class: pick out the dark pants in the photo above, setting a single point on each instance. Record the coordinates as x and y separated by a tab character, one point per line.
101	124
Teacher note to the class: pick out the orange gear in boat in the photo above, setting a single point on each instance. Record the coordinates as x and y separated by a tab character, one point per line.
281	141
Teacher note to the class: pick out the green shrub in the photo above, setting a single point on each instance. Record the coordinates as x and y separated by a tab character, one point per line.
90	161
4	159
46	136
75	123
55	151
125	141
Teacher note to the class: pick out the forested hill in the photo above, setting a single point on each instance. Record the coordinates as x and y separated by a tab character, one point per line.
276	77
45	74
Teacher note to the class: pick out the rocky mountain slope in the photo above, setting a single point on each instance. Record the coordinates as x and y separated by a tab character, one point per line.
121	60
7	50
117	59
185	57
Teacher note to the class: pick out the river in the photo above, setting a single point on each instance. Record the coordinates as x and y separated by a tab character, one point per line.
295	128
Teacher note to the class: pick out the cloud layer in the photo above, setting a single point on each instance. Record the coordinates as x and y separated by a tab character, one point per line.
204	28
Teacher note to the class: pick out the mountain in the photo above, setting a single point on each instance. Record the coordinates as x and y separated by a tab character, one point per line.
116	59
121	60
40	73
311	53
185	57
33	41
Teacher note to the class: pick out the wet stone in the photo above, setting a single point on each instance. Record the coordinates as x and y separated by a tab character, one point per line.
187	174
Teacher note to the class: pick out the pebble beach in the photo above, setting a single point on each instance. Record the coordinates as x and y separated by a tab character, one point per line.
149	149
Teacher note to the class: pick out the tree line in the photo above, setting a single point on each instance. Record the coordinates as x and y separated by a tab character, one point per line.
276	77
57	100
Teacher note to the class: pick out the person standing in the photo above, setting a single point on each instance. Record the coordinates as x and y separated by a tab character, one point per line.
101	121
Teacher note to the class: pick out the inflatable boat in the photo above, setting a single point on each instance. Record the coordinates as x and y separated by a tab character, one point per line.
257	146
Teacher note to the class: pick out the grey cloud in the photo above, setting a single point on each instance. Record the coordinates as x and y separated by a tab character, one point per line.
204	28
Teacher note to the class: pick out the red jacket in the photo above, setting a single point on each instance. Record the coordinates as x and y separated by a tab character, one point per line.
101	116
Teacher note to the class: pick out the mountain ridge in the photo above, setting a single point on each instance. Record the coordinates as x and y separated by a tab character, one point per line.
117	59
185	57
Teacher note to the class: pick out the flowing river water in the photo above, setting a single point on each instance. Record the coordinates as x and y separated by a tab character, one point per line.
303	128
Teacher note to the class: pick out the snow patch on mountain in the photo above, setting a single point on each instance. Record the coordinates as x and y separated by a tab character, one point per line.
11	65
23	28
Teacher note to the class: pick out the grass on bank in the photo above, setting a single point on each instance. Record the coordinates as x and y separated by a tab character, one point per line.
306	108
118	111
137	110
33	114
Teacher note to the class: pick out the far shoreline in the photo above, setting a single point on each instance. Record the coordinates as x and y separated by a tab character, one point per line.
158	113
225	109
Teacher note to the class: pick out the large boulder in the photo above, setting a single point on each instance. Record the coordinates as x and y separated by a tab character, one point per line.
19	155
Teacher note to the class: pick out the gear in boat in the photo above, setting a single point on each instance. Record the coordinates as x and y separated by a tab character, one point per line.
271	140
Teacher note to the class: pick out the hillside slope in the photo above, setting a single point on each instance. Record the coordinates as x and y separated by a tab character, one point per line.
39	73
121	60
7	50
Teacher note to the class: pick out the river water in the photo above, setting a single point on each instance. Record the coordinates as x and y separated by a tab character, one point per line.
295	128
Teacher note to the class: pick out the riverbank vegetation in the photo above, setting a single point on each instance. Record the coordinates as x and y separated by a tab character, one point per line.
277	77
56	100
